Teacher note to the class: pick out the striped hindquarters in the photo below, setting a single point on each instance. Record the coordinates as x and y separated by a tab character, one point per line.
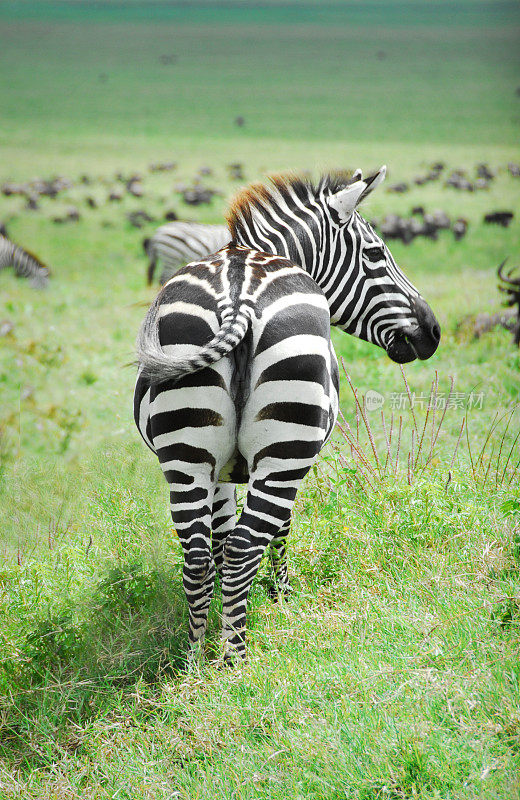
271	320
235	384
212	286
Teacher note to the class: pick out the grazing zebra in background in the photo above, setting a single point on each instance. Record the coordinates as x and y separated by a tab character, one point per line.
177	243
238	381
26	265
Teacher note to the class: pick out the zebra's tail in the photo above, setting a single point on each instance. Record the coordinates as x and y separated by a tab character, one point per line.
158	367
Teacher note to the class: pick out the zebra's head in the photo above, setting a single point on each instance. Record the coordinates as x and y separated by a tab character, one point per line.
372	298
320	228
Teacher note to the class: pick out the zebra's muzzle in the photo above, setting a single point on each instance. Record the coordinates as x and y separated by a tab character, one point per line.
419	341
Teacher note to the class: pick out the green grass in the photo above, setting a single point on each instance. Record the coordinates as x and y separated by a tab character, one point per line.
392	672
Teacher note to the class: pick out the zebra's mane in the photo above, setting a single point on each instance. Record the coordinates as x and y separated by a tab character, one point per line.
35	258
288	188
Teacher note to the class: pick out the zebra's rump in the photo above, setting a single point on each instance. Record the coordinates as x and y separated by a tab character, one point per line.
268	395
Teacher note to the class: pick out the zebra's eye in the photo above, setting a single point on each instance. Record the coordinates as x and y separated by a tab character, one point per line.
374	255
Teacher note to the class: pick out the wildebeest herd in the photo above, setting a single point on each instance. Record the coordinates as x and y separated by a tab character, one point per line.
420	223
192	242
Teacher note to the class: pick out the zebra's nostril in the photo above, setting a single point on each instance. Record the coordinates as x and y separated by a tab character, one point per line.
436	332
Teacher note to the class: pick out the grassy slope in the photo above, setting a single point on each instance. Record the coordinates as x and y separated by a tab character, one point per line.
392	672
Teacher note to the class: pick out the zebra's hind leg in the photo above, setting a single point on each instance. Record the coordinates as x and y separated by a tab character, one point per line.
151	270
266	512
191	505
152	259
278	550
223	521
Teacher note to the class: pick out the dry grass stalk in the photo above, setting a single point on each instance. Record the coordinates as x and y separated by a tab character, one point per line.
373	464
492	464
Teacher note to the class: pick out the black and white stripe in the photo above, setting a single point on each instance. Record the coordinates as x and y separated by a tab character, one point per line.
238	381
177	243
25	264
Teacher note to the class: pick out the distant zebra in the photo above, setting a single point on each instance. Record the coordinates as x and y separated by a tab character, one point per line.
238	381
177	243
26	265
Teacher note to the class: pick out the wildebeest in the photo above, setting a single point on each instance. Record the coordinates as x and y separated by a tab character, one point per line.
483	171
457	180
162	166
433	175
399	188
198	195
38	187
138	218
134	187
460	227
71	215
510	286
236	172
502	218
408	228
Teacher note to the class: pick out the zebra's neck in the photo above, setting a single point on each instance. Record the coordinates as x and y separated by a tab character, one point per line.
7	250
307	241
25	264
301	241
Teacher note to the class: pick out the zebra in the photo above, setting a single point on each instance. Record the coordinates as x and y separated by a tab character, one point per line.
26	265
177	243
238	381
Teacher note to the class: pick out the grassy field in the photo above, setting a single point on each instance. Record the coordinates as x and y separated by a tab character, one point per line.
393	670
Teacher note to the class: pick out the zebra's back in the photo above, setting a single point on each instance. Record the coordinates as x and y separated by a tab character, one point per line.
178	243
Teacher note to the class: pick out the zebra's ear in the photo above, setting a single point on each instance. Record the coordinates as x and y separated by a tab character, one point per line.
346	200
374	181
357	175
